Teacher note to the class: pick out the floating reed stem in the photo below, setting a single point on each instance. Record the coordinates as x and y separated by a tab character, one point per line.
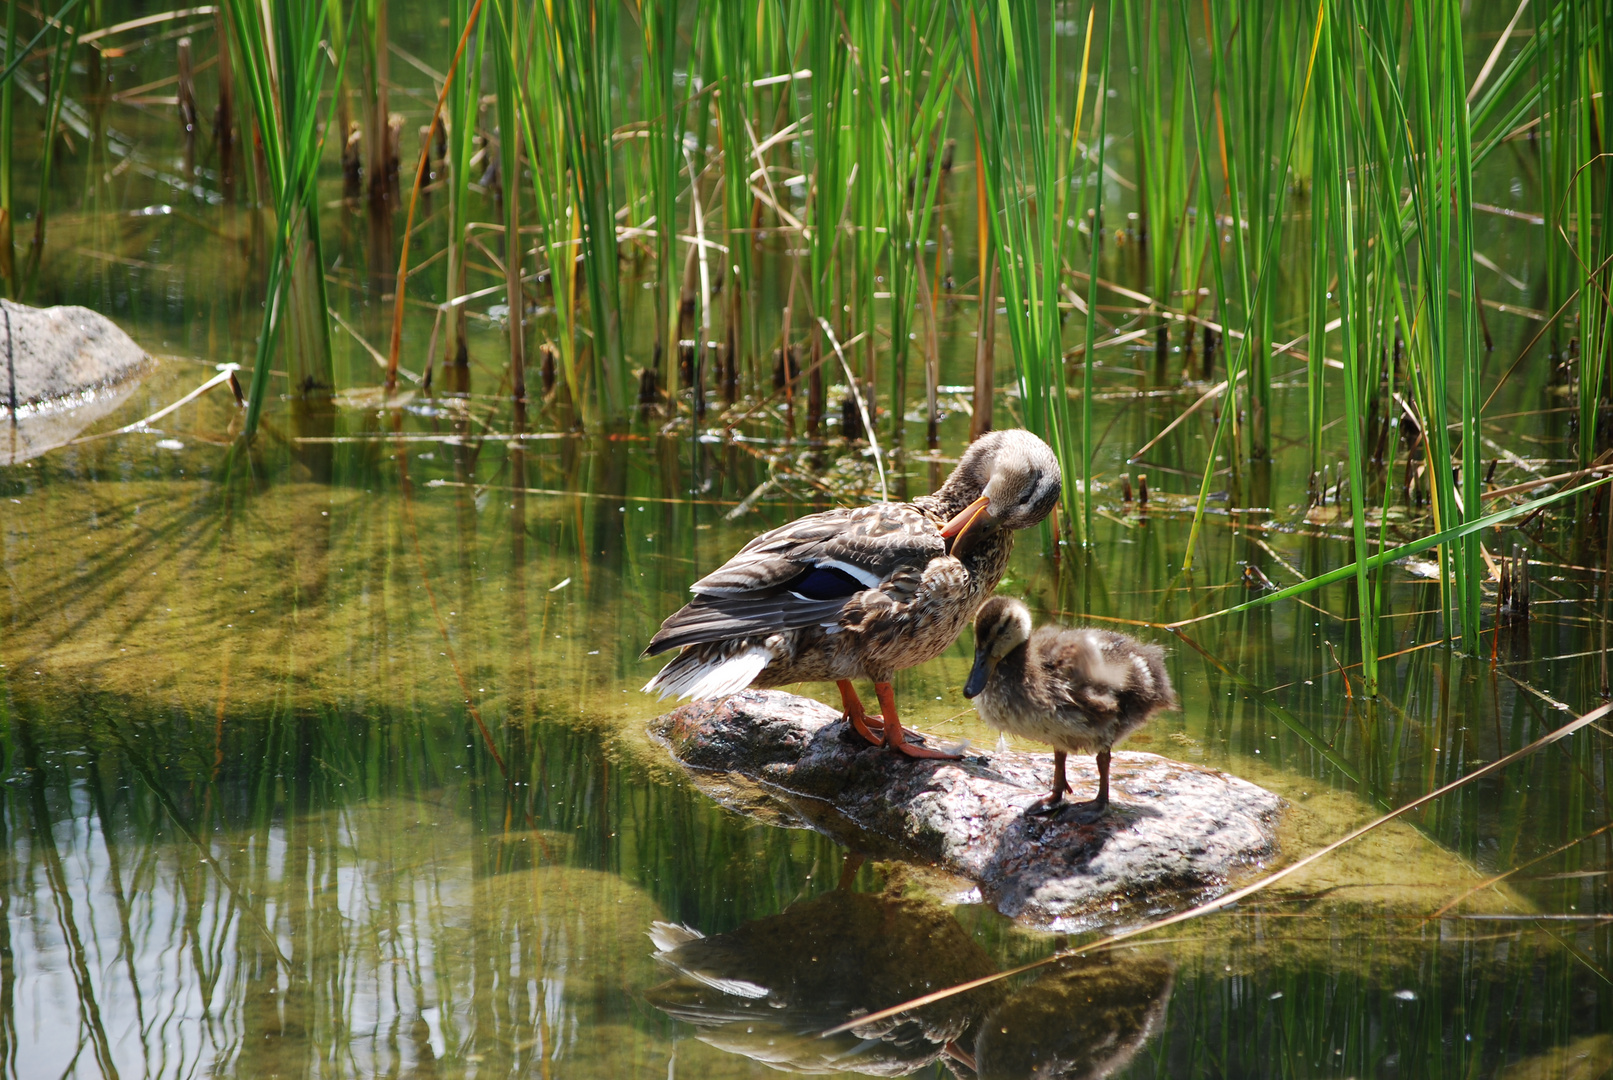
185	92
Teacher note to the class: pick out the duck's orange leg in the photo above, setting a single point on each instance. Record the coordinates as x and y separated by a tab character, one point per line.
956	1052
894	736
852	706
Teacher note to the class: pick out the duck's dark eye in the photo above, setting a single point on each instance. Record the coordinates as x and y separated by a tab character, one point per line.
1031	488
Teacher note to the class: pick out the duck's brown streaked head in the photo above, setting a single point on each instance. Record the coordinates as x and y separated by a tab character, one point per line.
1008	480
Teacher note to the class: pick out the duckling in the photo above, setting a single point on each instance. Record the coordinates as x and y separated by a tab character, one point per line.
861	592
1079	689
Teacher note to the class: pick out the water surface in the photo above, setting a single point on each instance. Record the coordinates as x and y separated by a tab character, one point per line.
329	759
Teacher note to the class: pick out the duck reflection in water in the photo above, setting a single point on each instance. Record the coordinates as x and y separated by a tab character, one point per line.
767	989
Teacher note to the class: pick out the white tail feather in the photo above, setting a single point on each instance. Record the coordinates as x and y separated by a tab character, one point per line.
669	935
691	677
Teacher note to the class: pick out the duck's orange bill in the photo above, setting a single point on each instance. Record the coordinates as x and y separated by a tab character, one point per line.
968	520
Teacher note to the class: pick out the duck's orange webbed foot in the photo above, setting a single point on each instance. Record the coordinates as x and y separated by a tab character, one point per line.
871	728
896	737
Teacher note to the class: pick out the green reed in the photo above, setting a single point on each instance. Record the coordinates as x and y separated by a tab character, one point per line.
508	61
61	43
867	36
543	127
826	207
282	62
1208	210
583	41
1592	249
460	115
732	38
1251	71
1100	137
658	21
917	168
8	268
1014	94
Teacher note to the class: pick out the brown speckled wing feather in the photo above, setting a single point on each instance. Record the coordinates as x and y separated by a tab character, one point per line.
751	594
876	540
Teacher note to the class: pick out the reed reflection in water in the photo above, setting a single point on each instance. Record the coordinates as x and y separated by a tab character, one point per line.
177	904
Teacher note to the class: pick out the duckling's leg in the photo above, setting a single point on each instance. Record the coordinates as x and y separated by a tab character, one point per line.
1103	782
852	706
1061	783
894	737
1101	803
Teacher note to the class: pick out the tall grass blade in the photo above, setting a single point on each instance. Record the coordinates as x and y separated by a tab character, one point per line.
463	105
283	61
582	36
658	20
507	62
1014	98
414	199
8	265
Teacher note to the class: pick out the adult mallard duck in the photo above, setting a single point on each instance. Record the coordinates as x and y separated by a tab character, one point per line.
1078	689
863	592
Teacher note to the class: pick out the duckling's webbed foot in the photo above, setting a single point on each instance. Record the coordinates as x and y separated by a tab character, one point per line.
1092	807
1054	803
1061	808
1048	807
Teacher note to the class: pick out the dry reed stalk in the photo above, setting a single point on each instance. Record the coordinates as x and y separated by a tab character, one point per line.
414	198
1236	895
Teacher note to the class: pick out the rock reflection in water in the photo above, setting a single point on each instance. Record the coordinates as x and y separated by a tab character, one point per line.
29	431
1085	1021
767	989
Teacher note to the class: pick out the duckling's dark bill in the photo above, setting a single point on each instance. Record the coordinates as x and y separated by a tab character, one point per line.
978	674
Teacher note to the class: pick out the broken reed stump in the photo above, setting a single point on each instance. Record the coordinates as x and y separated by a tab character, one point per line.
1512	595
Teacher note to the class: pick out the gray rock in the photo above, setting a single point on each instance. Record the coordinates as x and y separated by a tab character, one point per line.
1174	834
60	369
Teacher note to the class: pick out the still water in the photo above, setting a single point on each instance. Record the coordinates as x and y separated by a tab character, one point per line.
329	759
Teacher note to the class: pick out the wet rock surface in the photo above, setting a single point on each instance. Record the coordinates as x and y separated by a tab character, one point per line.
1174	834
61	368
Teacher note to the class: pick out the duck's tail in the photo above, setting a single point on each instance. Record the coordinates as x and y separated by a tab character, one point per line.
702	675
669	935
